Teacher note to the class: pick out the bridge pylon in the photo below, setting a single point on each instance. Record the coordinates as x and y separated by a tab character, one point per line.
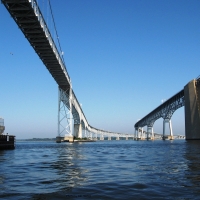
170	129
192	110
65	118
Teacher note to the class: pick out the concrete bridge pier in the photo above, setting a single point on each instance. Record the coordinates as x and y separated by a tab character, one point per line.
78	130
117	137
102	137
90	134
96	136
170	129
143	134
59	139
83	132
135	134
139	133
192	110
69	138
150	133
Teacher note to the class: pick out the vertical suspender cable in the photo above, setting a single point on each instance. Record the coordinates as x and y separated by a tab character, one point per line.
56	31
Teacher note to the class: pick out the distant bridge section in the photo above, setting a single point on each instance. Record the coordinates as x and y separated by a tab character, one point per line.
188	97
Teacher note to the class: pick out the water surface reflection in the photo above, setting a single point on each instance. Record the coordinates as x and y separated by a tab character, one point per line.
101	170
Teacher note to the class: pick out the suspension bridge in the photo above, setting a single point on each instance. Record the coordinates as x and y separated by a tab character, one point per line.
71	119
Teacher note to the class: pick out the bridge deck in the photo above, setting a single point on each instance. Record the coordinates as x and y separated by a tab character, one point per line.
28	17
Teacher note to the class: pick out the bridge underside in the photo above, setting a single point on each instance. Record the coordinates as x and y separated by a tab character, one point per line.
29	19
192	110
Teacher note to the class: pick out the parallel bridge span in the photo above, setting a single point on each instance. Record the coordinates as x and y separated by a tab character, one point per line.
165	110
28	17
188	97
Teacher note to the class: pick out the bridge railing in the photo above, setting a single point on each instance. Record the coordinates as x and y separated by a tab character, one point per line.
43	24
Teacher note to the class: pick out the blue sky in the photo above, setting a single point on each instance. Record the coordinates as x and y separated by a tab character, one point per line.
123	57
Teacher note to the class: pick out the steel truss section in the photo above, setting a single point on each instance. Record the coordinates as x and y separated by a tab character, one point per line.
165	110
64	113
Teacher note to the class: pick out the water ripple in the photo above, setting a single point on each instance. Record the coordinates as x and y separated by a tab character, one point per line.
101	170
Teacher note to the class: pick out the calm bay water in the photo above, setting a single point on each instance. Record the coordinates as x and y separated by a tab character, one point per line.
101	170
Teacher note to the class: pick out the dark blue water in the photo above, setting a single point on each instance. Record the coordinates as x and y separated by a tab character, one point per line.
101	170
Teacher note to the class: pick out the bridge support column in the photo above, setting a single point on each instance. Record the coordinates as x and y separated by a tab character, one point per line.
65	112
170	129
192	110
102	137
59	139
85	133
97	135
150	135
78	130
143	135
171	137
135	134
140	134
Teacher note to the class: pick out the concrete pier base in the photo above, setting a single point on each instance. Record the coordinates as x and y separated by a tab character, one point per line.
164	137
69	139
192	110
58	139
149	138
168	137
